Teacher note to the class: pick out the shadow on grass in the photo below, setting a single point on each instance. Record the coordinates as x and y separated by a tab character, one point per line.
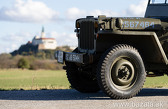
69	94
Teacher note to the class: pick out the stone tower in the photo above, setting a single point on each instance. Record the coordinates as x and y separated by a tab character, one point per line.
42	33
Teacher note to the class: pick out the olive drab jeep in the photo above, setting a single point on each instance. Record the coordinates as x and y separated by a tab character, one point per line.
115	54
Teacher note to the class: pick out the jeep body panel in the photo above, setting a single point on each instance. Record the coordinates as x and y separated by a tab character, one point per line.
147	44
104	32
148	35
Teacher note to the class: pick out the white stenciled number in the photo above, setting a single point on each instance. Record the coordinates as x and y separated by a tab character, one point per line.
132	24
126	24
136	24
142	24
146	24
152	25
70	57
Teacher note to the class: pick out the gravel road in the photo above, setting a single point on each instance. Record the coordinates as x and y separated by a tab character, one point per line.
71	99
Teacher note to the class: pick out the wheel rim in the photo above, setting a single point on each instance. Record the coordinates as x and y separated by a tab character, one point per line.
123	73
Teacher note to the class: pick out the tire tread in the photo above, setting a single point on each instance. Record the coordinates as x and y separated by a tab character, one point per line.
102	66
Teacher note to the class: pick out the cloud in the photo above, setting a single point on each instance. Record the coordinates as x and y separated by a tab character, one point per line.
134	10
75	13
64	38
104	12
11	42
35	11
137	10
28	11
17	37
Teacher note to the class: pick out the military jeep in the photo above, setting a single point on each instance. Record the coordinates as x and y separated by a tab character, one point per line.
115	54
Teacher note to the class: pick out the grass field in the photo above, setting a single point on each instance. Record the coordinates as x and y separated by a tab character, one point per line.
156	82
33	80
46	79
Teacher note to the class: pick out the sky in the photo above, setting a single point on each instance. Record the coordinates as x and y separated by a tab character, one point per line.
21	20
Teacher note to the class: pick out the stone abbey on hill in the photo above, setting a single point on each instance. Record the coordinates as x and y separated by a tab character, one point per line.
44	42
38	43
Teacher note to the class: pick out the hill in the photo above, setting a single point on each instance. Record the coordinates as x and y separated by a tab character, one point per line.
43	59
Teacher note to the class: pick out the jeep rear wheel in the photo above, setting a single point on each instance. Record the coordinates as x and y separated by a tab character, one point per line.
82	81
121	73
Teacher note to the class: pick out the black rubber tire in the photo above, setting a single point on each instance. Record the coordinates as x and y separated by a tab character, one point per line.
82	81
113	63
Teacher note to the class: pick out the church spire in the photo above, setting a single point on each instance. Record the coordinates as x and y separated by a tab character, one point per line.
42	33
43	29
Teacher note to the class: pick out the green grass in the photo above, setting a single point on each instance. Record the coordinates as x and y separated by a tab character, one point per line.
156	82
15	79
32	80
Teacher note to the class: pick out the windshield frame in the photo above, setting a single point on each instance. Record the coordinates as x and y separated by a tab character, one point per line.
151	3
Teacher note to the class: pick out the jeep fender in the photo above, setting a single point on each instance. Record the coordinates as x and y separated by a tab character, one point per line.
147	44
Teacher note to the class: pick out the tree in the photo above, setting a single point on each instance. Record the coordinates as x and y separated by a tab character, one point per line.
23	63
